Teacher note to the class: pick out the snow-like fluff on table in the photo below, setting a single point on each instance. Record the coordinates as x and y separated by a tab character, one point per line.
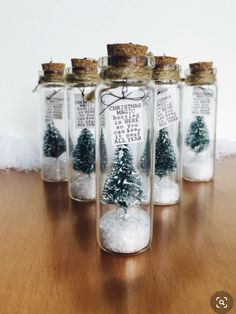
18	153
225	148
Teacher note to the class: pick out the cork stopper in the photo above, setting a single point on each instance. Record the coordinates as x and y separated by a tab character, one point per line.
53	67
52	72
84	63
166	69
201	66
164	60
83	70
123	50
126	55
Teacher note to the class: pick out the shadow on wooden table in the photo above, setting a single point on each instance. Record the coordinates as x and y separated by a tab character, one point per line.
123	279
116	281
84	221
57	200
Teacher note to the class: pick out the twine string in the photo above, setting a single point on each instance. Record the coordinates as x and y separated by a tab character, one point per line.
82	77
162	74
126	72
201	77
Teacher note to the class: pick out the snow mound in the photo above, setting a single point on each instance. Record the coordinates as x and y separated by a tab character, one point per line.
18	153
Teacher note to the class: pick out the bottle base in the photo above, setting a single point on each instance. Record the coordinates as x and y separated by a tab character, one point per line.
166	204
83	188
122	253
198	172
82	200
165	191
54	181
198	180
125	232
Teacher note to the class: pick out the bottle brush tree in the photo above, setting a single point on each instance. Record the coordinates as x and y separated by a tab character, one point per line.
145	161
84	152
165	163
197	138
123	185
53	143
103	152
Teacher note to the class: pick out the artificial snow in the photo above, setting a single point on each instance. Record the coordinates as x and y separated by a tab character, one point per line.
165	191
18	153
125	233
54	170
84	188
198	172
225	148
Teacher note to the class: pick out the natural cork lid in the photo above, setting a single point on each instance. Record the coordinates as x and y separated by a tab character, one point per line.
122	50
164	60
53	67
83	63
201	66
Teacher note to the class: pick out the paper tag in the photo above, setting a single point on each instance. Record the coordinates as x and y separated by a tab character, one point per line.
166	115
203	100
125	115
54	105
84	112
126	122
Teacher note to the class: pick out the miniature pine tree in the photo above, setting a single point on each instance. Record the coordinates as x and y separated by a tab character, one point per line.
84	153
145	161
70	144
197	138
103	152
53	143
123	185
165	156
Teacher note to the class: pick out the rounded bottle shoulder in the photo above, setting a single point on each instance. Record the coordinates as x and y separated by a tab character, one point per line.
168	83
51	85
186	84
137	84
80	85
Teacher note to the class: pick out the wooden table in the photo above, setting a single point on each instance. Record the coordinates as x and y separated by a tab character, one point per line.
50	261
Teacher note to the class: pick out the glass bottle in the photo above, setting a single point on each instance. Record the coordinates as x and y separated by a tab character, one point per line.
53	129
124	128
199	121
80	93
167	178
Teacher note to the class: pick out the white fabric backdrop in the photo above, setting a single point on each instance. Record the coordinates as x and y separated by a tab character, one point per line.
32	32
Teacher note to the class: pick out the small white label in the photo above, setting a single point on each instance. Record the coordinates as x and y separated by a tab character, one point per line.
203	100
54	105
126	122
125	115
84	112
166	114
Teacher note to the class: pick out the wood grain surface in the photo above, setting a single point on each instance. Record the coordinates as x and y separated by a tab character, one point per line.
50	262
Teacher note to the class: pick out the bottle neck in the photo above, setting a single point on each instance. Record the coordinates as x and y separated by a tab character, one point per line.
126	75
203	77
169	74
82	75
51	85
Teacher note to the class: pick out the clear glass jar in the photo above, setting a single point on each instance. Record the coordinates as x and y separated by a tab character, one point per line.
199	122
166	186
124	124
80	94
53	128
